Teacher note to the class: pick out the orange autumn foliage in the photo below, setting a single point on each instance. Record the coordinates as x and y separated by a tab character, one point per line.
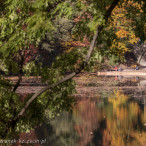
124	26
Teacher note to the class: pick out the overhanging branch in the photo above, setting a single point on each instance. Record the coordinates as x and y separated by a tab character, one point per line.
87	58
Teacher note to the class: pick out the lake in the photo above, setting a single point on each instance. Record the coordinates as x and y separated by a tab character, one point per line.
108	111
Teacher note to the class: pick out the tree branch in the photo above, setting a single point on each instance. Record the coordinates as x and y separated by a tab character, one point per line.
43	90
91	48
141	55
110	9
20	73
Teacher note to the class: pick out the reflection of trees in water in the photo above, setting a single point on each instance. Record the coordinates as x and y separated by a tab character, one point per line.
124	122
95	121
116	121
60	132
100	122
72	130
86	118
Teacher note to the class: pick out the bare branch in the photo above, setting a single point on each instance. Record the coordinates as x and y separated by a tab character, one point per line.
141	55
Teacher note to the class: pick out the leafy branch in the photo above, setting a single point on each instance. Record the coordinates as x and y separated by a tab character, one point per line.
82	66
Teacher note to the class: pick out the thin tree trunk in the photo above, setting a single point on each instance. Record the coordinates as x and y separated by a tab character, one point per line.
20	74
18	82
141	55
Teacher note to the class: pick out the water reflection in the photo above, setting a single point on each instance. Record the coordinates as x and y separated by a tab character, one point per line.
115	120
108	112
60	132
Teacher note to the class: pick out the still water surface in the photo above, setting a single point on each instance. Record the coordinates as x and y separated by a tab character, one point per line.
109	112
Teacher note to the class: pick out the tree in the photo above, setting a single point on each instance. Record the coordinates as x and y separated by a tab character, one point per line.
96	35
26	23
124	24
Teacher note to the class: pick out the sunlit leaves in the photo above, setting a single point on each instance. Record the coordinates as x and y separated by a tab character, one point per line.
125	26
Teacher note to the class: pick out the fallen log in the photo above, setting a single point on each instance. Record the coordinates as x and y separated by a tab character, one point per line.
122	73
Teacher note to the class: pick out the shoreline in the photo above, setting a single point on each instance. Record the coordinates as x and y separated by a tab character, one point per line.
122	73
